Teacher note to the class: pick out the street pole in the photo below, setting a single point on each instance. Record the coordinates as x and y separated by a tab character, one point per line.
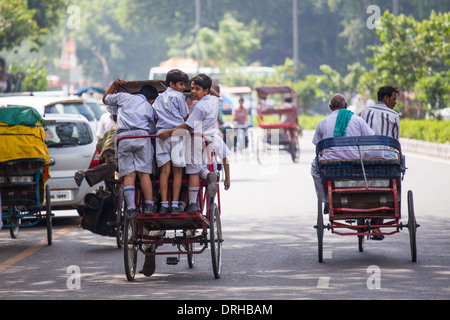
295	37
197	31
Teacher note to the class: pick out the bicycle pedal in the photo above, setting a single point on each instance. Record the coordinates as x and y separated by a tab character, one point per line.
172	260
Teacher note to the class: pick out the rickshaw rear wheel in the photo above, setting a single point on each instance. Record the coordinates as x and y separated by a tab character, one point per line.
14	228
190	256
215	238
294	149
130	248
48	215
120	213
319	228
412	226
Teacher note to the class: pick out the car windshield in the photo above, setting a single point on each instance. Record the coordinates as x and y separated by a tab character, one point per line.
71	108
96	109
60	134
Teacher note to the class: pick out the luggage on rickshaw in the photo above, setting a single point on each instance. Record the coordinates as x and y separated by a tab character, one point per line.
24	170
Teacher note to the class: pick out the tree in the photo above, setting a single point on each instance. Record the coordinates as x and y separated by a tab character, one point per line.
229	45
413	55
21	19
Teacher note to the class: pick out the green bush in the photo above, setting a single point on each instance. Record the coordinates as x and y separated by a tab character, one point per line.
309	122
428	130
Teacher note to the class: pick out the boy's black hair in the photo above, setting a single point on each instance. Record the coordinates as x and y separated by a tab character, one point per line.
386	91
203	81
149	92
176	75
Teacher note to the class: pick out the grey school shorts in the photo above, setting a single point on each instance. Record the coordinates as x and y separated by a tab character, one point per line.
171	149
198	155
135	154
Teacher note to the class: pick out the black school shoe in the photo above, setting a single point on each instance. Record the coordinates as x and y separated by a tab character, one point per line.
149	264
149	209
191	208
211	186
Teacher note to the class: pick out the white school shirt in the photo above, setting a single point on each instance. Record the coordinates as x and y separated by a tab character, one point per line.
204	114
325	129
134	112
171	109
382	119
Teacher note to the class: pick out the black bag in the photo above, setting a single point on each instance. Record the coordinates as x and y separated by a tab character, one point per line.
99	216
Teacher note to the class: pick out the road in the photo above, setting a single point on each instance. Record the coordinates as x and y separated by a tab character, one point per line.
270	248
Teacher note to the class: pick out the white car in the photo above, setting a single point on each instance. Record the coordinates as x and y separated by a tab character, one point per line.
71	145
51	104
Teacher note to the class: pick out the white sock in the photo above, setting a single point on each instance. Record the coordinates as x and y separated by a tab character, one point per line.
165	204
193	193
174	204
129	196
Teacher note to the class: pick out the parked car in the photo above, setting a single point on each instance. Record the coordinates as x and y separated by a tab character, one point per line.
51	104
71	145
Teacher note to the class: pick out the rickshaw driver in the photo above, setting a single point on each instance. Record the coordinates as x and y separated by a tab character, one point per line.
341	122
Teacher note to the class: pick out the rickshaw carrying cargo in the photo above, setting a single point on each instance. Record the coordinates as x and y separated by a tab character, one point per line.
24	162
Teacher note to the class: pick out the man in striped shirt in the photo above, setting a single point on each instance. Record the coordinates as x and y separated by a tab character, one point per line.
384	121
381	117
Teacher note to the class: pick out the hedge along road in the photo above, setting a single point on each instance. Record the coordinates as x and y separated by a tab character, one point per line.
270	248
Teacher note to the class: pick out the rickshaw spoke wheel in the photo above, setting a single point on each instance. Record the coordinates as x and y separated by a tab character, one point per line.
131	248
320	229
120	213
295	150
412	227
14	229
215	236
48	215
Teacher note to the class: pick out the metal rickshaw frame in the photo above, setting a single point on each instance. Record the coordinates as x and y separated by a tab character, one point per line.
208	218
23	185
363	195
291	128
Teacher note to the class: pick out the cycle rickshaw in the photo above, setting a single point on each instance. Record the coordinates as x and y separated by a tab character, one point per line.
24	170
363	194
190	230
280	125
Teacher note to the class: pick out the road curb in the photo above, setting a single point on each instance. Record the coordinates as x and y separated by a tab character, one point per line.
430	149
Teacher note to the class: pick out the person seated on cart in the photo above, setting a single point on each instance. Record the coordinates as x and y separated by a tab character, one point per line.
135	118
203	119
340	123
171	111
384	121
107	161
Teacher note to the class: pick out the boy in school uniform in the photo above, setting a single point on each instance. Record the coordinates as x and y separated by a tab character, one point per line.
171	111
202	120
135	117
